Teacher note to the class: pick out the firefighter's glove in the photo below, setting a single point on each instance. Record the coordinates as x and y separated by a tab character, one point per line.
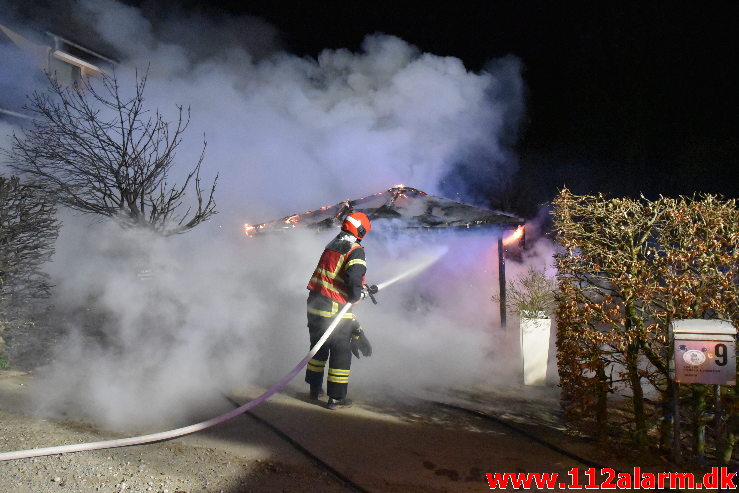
360	344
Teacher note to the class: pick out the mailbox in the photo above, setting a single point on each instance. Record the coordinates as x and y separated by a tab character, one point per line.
704	352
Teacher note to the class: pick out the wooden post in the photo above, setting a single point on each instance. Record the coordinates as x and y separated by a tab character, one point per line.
501	281
717	408
522	241
676	453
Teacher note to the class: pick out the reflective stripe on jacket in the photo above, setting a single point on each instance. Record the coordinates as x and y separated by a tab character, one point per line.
330	313
329	277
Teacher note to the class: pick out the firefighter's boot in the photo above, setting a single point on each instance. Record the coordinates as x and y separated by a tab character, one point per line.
334	404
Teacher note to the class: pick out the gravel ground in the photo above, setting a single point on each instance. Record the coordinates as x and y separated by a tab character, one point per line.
166	467
169	467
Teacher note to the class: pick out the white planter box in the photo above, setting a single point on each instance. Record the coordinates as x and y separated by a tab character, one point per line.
535	349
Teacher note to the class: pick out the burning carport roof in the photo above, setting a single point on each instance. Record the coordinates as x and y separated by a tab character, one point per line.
404	207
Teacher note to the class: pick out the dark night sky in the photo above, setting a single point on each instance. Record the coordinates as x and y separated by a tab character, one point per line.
623	97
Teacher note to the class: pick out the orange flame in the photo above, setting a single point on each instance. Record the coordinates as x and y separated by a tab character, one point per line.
513	237
249	230
294	219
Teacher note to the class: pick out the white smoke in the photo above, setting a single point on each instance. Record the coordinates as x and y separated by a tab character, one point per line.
286	134
170	324
320	130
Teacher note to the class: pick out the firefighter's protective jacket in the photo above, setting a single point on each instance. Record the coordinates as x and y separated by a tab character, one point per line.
340	271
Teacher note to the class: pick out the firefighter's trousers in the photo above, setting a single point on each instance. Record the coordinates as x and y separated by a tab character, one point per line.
336	350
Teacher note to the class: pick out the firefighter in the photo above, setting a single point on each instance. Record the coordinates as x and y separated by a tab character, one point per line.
337	280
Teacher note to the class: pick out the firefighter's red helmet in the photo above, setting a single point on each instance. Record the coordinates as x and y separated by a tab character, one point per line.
356	223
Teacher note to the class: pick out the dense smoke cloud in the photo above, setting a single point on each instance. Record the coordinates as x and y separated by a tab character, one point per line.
286	134
320	130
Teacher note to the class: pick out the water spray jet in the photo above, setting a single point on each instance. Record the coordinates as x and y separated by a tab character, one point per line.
414	270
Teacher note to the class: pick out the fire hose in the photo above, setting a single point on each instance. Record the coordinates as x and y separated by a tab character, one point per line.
187	430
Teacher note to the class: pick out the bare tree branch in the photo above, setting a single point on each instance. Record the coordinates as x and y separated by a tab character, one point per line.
100	152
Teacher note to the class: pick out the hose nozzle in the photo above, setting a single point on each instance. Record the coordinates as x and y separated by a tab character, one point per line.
371	290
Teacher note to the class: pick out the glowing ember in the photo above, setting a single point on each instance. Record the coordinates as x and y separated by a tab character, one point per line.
397	201
513	237
399	191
